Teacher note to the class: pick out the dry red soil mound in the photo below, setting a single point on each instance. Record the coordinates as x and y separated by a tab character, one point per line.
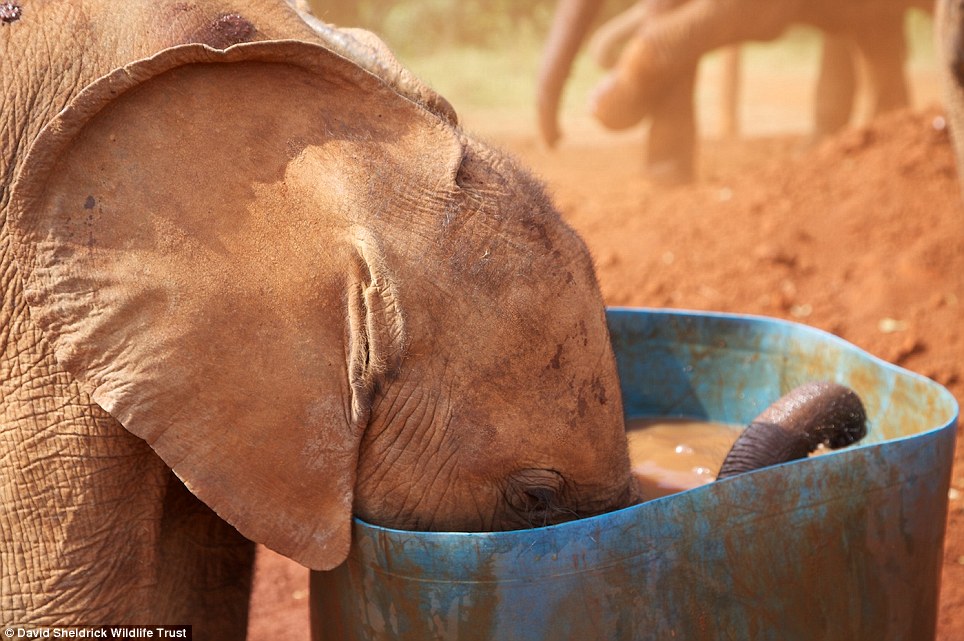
862	235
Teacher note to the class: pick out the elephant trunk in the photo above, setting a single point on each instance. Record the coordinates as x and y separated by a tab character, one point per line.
654	65
671	149
569	28
836	85
793	427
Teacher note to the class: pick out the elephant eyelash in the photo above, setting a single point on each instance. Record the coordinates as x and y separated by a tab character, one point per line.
549	515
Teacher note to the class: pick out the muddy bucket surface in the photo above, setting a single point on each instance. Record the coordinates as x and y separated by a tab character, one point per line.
843	546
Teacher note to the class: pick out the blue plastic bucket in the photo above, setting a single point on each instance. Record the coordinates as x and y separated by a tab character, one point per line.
844	546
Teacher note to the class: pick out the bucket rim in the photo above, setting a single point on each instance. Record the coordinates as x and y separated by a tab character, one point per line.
593	523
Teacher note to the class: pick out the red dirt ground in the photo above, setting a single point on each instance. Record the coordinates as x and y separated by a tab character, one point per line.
862	235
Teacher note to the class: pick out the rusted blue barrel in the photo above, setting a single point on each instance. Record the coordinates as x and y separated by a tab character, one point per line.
843	546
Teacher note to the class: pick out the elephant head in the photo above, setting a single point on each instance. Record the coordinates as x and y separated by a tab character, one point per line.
313	295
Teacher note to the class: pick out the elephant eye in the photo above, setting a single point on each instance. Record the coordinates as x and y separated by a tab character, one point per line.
535	491
540	498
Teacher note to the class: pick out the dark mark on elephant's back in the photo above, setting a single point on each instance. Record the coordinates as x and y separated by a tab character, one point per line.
226	30
9	12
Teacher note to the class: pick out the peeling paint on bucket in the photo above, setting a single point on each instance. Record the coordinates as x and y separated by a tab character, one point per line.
842	546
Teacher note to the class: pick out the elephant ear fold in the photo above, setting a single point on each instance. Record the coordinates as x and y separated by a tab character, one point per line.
187	234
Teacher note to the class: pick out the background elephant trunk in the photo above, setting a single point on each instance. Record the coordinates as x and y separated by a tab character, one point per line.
793	427
606	44
569	28
671	149
653	66
669	44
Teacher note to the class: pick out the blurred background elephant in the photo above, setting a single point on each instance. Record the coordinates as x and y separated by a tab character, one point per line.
654	73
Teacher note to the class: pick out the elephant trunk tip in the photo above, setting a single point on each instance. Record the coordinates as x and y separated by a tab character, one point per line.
617	104
846	418
548	116
551	138
819	413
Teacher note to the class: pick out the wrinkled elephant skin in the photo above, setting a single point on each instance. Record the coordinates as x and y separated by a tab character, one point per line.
256	279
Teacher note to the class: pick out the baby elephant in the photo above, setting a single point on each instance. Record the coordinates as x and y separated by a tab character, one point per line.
257	279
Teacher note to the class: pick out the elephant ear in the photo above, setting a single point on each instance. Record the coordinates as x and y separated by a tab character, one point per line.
191	233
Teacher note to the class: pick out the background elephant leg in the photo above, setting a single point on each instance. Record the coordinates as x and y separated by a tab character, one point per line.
836	85
730	92
884	47
672	137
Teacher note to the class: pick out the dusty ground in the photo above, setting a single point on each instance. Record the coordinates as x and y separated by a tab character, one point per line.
862	235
